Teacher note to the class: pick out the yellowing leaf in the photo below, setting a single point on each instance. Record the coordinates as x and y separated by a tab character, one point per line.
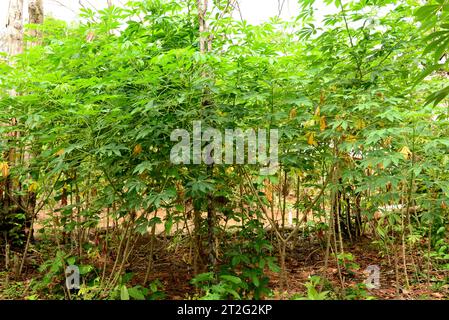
387	142
318	111
405	151
322	98
59	152
360	124
309	123
323	124
293	113
311	139
137	149
351	138
5	169
33	187
229	170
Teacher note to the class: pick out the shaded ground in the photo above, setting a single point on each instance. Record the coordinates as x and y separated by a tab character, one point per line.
303	262
306	259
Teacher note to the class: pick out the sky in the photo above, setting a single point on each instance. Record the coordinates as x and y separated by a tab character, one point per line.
254	11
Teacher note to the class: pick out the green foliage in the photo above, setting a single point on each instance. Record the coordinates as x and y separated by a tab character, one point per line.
243	272
346	262
248	258
358	292
313	291
153	292
226	288
99	100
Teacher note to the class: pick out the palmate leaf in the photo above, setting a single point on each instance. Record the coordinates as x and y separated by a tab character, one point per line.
112	149
142	167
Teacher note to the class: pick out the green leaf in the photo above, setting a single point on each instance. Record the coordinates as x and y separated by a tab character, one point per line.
142	167
85	269
135	294
203	277
168	224
436	97
233	279
71	261
255	280
273	266
124	295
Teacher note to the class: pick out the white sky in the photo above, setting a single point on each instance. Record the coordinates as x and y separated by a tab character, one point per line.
254	11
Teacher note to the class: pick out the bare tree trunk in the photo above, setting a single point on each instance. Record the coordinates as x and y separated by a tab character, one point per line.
205	43
14	27
36	14
206	46
14	31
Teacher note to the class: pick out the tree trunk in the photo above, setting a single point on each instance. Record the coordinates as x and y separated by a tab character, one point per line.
14	32
36	14
206	46
14	27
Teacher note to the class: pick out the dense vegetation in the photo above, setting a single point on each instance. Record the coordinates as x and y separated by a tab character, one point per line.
359	102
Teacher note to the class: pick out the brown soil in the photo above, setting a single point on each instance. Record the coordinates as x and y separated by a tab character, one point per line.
306	259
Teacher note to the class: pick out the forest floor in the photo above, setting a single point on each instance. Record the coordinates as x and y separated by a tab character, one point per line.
307	259
172	269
